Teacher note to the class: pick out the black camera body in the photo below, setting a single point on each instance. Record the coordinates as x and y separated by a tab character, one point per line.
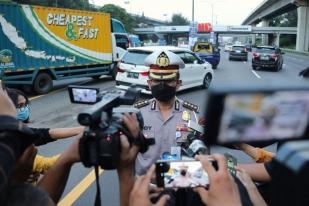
100	144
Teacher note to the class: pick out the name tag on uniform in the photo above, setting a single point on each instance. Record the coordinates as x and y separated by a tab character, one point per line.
176	152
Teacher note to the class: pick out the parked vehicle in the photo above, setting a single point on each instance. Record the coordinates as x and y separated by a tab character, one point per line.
42	44
131	69
268	57
207	52
238	52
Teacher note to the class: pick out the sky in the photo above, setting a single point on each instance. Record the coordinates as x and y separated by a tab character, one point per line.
225	12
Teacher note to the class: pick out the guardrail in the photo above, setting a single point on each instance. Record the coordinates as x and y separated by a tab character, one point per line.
295	52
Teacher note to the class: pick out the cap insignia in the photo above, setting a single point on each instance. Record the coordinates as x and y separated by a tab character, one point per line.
162	60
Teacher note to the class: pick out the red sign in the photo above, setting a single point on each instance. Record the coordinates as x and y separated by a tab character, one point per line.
204	28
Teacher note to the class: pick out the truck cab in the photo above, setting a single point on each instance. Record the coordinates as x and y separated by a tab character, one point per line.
207	52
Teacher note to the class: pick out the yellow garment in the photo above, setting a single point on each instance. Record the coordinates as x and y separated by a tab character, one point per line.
42	164
263	155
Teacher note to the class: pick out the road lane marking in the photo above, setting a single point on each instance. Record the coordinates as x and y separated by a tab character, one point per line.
256	74
53	92
79	189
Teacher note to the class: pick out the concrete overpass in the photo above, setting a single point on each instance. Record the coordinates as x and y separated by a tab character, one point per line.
269	9
275	32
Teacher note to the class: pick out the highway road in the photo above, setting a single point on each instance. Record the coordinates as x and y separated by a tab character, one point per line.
55	110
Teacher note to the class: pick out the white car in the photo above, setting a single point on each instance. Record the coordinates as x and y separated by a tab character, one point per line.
131	69
228	47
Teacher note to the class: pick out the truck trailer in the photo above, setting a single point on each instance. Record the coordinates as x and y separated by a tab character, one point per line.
41	44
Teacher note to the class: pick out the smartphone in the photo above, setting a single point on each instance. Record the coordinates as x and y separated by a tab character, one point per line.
231	163
181	174
256	115
83	95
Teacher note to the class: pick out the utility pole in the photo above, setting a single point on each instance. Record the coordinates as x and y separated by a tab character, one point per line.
192	10
212	14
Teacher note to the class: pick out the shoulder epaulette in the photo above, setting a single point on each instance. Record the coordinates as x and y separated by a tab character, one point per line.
190	106
141	104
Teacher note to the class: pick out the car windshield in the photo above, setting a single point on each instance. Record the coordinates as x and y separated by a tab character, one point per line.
265	50
135	57
207	48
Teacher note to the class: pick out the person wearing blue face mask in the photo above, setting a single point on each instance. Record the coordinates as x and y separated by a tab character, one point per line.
23	113
21	102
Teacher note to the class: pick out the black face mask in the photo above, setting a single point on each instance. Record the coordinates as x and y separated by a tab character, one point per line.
163	92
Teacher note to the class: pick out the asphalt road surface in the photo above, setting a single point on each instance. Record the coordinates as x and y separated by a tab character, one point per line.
55	110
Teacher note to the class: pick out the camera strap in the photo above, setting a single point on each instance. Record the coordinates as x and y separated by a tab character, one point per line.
98	195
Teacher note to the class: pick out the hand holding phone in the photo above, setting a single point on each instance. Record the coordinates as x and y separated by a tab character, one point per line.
222	188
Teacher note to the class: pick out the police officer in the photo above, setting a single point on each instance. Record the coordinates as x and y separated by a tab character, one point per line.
165	116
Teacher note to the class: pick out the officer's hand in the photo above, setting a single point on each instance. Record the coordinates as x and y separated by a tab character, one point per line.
6	105
130	120
24	165
222	188
140	192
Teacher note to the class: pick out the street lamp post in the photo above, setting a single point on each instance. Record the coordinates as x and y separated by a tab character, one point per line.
212	13
192	10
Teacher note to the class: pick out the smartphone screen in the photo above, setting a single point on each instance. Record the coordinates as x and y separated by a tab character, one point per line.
263	116
181	174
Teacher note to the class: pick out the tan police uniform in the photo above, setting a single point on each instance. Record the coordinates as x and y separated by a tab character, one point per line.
163	66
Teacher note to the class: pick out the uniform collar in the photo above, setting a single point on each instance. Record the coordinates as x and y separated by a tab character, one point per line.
155	107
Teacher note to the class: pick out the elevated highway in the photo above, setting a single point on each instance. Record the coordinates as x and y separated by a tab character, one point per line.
269	9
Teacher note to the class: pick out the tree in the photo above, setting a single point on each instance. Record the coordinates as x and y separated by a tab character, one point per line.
178	19
70	4
288	19
120	14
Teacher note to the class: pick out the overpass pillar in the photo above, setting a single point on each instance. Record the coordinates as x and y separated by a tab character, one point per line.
253	39
265	23
277	41
302	41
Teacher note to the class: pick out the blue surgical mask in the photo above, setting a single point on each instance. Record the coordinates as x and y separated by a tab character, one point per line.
23	113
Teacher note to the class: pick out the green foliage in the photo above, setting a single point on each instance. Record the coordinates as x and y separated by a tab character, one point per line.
288	41
285	20
178	19
120	14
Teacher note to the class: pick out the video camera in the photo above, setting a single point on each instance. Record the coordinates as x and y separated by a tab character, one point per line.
256	115
100	144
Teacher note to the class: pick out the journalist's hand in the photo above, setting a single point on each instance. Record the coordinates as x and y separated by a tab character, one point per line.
253	192
130	120
71	154
6	105
128	154
140	192
222	188
24	165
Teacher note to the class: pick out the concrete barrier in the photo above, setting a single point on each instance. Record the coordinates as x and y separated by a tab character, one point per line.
295	52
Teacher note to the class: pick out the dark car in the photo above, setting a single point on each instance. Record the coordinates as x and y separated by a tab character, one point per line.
207	52
238	52
267	57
